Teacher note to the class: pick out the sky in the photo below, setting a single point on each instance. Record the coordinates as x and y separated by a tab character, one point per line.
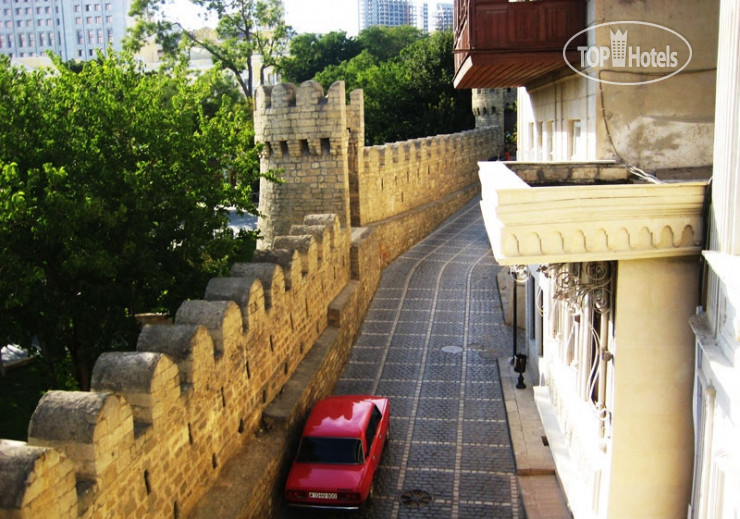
320	16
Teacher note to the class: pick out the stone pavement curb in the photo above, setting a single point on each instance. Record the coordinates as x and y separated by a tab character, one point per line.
541	492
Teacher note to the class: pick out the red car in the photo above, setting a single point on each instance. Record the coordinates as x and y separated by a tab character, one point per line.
339	452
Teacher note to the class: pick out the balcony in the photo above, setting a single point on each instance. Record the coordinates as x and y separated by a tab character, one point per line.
499	43
575	212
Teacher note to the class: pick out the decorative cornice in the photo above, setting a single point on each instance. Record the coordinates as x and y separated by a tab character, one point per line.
577	223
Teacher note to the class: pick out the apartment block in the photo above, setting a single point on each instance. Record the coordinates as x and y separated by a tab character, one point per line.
72	29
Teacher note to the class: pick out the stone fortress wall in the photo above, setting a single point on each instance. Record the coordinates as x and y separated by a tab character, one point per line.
223	389
317	145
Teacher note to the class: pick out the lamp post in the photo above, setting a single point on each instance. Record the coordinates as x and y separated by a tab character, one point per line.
518	273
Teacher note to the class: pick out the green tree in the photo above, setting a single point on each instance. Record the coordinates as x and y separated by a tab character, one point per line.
311	53
113	185
386	43
246	28
410	95
354	72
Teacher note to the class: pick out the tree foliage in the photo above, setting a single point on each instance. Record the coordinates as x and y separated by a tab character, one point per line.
409	95
246	28
311	53
385	43
112	192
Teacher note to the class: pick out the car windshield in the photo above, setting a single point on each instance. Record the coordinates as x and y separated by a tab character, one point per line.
330	450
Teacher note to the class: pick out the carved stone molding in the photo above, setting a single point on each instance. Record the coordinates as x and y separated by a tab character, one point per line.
578	223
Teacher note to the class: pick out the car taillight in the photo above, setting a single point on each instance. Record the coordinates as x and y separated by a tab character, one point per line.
295	495
348	496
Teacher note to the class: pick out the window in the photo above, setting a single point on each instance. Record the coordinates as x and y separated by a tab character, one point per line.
583	320
344	451
540	150
372	428
530	141
575	140
549	150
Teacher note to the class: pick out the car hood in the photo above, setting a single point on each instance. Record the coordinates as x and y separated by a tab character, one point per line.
308	476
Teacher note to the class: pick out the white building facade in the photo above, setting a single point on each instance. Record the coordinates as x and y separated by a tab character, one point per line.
72	29
633	339
716	410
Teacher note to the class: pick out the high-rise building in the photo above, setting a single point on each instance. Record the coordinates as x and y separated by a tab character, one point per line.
427	16
443	16
72	29
390	13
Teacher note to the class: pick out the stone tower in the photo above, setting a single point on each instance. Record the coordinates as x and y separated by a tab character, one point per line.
488	107
308	140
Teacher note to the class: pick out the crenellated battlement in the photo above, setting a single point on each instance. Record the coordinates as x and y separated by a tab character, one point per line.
316	141
161	421
296	123
305	137
160	424
399	177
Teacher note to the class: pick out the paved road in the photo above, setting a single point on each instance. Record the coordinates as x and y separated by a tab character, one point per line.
430	342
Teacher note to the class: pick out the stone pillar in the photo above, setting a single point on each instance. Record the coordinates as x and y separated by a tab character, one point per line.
652	435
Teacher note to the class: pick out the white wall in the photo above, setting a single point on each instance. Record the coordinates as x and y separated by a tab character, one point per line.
717	384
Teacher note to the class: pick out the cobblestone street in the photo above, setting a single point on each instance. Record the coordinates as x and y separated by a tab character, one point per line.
430	342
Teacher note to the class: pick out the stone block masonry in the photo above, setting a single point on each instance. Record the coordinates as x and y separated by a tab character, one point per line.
316	142
305	137
399	177
200	420
152	435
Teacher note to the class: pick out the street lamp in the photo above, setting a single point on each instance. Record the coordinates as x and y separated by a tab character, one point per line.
518	273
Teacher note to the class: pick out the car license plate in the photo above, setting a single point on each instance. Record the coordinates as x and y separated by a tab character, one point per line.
322	495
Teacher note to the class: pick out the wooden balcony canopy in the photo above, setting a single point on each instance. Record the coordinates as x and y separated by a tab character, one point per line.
499	43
